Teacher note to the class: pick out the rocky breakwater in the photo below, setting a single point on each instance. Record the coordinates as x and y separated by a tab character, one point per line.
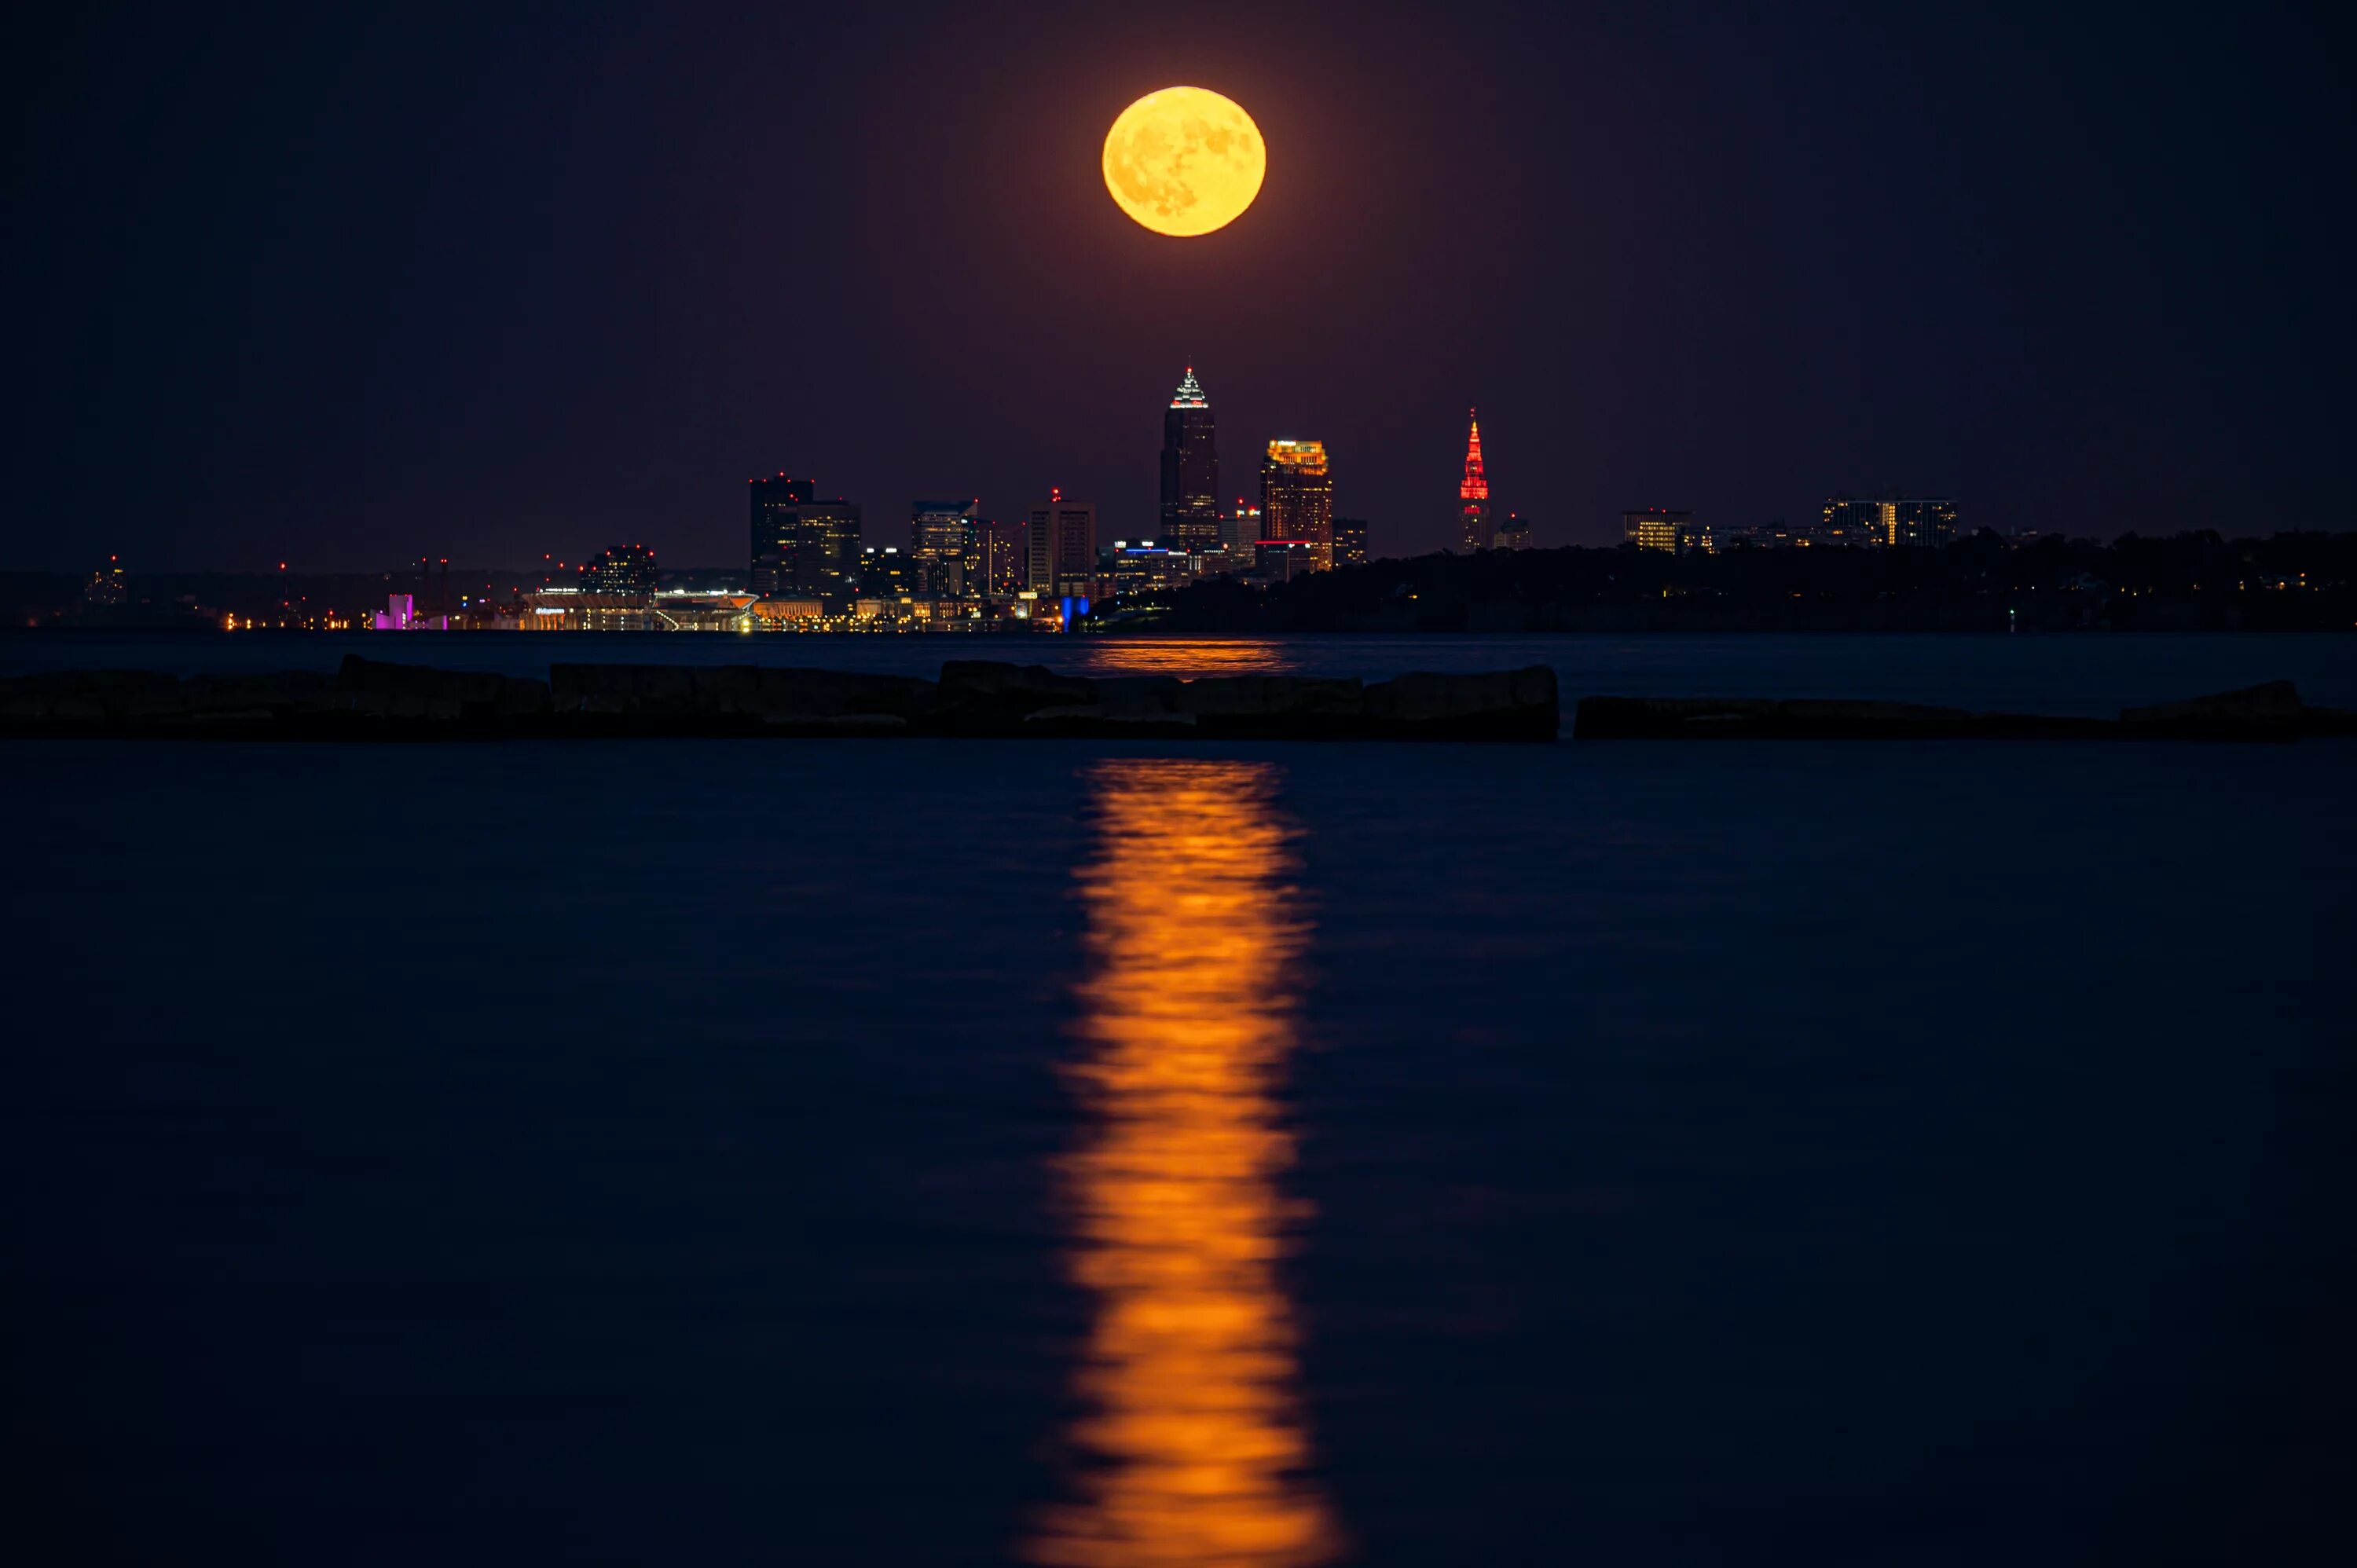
368	699
2269	711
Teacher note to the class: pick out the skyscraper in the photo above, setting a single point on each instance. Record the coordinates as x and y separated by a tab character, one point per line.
1000	563
1296	497
1473	495
802	546
1514	533
1063	540
777	514
941	543
1190	470
1349	542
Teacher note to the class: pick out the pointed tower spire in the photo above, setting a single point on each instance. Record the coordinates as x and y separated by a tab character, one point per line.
1473	495
1189	394
1476	487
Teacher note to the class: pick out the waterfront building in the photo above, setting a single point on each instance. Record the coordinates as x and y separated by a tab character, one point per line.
1888	521
801	544
777	516
1512	534
1190	470
1147	566
999	566
1282	559
1473	530
624	569
885	574
1296	497
1656	528
941	545
1239	539
1349	542
1063	547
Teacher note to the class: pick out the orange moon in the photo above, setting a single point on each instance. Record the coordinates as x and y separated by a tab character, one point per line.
1184	161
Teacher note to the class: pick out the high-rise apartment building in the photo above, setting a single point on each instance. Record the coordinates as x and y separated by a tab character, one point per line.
1000	565
624	569
1296	497
1063	546
1190	470
802	546
1349	542
1887	522
1513	533
1473	528
1656	529
940	544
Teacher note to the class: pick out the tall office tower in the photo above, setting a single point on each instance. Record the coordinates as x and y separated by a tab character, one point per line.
1063	546
826	552
941	543
1654	529
1000	563
1349	542
1296	497
1190	470
624	569
777	514
1239	537
1473	527
1512	534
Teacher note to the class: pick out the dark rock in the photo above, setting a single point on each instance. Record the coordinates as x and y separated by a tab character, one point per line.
985	697
2314	720
1286	708
834	694
371	689
88	699
1759	718
1132	718
623	691
2269	711
1510	704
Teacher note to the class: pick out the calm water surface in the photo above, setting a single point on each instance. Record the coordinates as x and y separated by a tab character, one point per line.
1068	1153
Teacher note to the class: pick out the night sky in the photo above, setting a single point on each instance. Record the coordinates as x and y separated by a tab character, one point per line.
491	280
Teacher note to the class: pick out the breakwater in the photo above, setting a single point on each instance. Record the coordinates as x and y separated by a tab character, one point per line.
369	699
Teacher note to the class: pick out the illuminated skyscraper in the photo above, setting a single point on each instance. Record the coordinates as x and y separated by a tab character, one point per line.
777	515
1296	497
1473	495
1190	470
941	544
801	545
1000	565
1063	546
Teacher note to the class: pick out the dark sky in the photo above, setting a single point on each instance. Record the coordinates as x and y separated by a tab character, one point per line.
484	282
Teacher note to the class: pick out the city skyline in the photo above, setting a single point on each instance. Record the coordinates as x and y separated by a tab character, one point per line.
337	328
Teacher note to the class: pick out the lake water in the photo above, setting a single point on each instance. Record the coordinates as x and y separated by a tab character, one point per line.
1092	1153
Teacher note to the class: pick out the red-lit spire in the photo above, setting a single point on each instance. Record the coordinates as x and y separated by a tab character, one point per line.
1475	488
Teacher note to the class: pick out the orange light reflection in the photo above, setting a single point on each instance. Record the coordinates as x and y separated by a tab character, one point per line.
1186	656
1194	1444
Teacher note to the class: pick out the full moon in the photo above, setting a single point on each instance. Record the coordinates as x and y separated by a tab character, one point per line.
1184	160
